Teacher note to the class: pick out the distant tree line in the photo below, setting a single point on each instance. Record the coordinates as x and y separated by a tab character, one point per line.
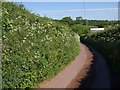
80	20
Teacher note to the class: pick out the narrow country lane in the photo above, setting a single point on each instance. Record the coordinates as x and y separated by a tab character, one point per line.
99	75
72	75
103	77
68	78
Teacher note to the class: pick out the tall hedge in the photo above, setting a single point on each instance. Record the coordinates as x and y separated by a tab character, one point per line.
34	48
108	43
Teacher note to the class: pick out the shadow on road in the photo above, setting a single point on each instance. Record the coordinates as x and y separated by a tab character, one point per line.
100	75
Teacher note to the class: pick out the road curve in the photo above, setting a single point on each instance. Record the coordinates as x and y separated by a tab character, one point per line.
102	79
69	76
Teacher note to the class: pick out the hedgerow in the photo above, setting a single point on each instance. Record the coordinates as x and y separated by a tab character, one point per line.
34	48
80	29
108	43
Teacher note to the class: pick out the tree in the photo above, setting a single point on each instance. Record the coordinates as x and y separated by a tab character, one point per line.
79	18
80	29
68	20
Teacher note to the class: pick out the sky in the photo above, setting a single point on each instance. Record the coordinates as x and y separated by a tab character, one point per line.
88	10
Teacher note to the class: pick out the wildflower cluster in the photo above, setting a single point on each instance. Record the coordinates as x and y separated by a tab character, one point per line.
35	48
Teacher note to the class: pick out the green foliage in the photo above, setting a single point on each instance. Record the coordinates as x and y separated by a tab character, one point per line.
34	48
79	18
80	29
67	20
98	23
108	43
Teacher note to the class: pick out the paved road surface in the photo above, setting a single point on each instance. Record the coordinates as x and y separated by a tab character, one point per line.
65	77
102	79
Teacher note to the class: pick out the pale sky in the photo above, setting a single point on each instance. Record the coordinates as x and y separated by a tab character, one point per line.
90	9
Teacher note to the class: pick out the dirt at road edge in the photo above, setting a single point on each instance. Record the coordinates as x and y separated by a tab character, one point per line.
71	76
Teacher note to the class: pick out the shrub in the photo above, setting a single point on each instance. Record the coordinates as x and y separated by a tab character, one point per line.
108	43
34	48
80	29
